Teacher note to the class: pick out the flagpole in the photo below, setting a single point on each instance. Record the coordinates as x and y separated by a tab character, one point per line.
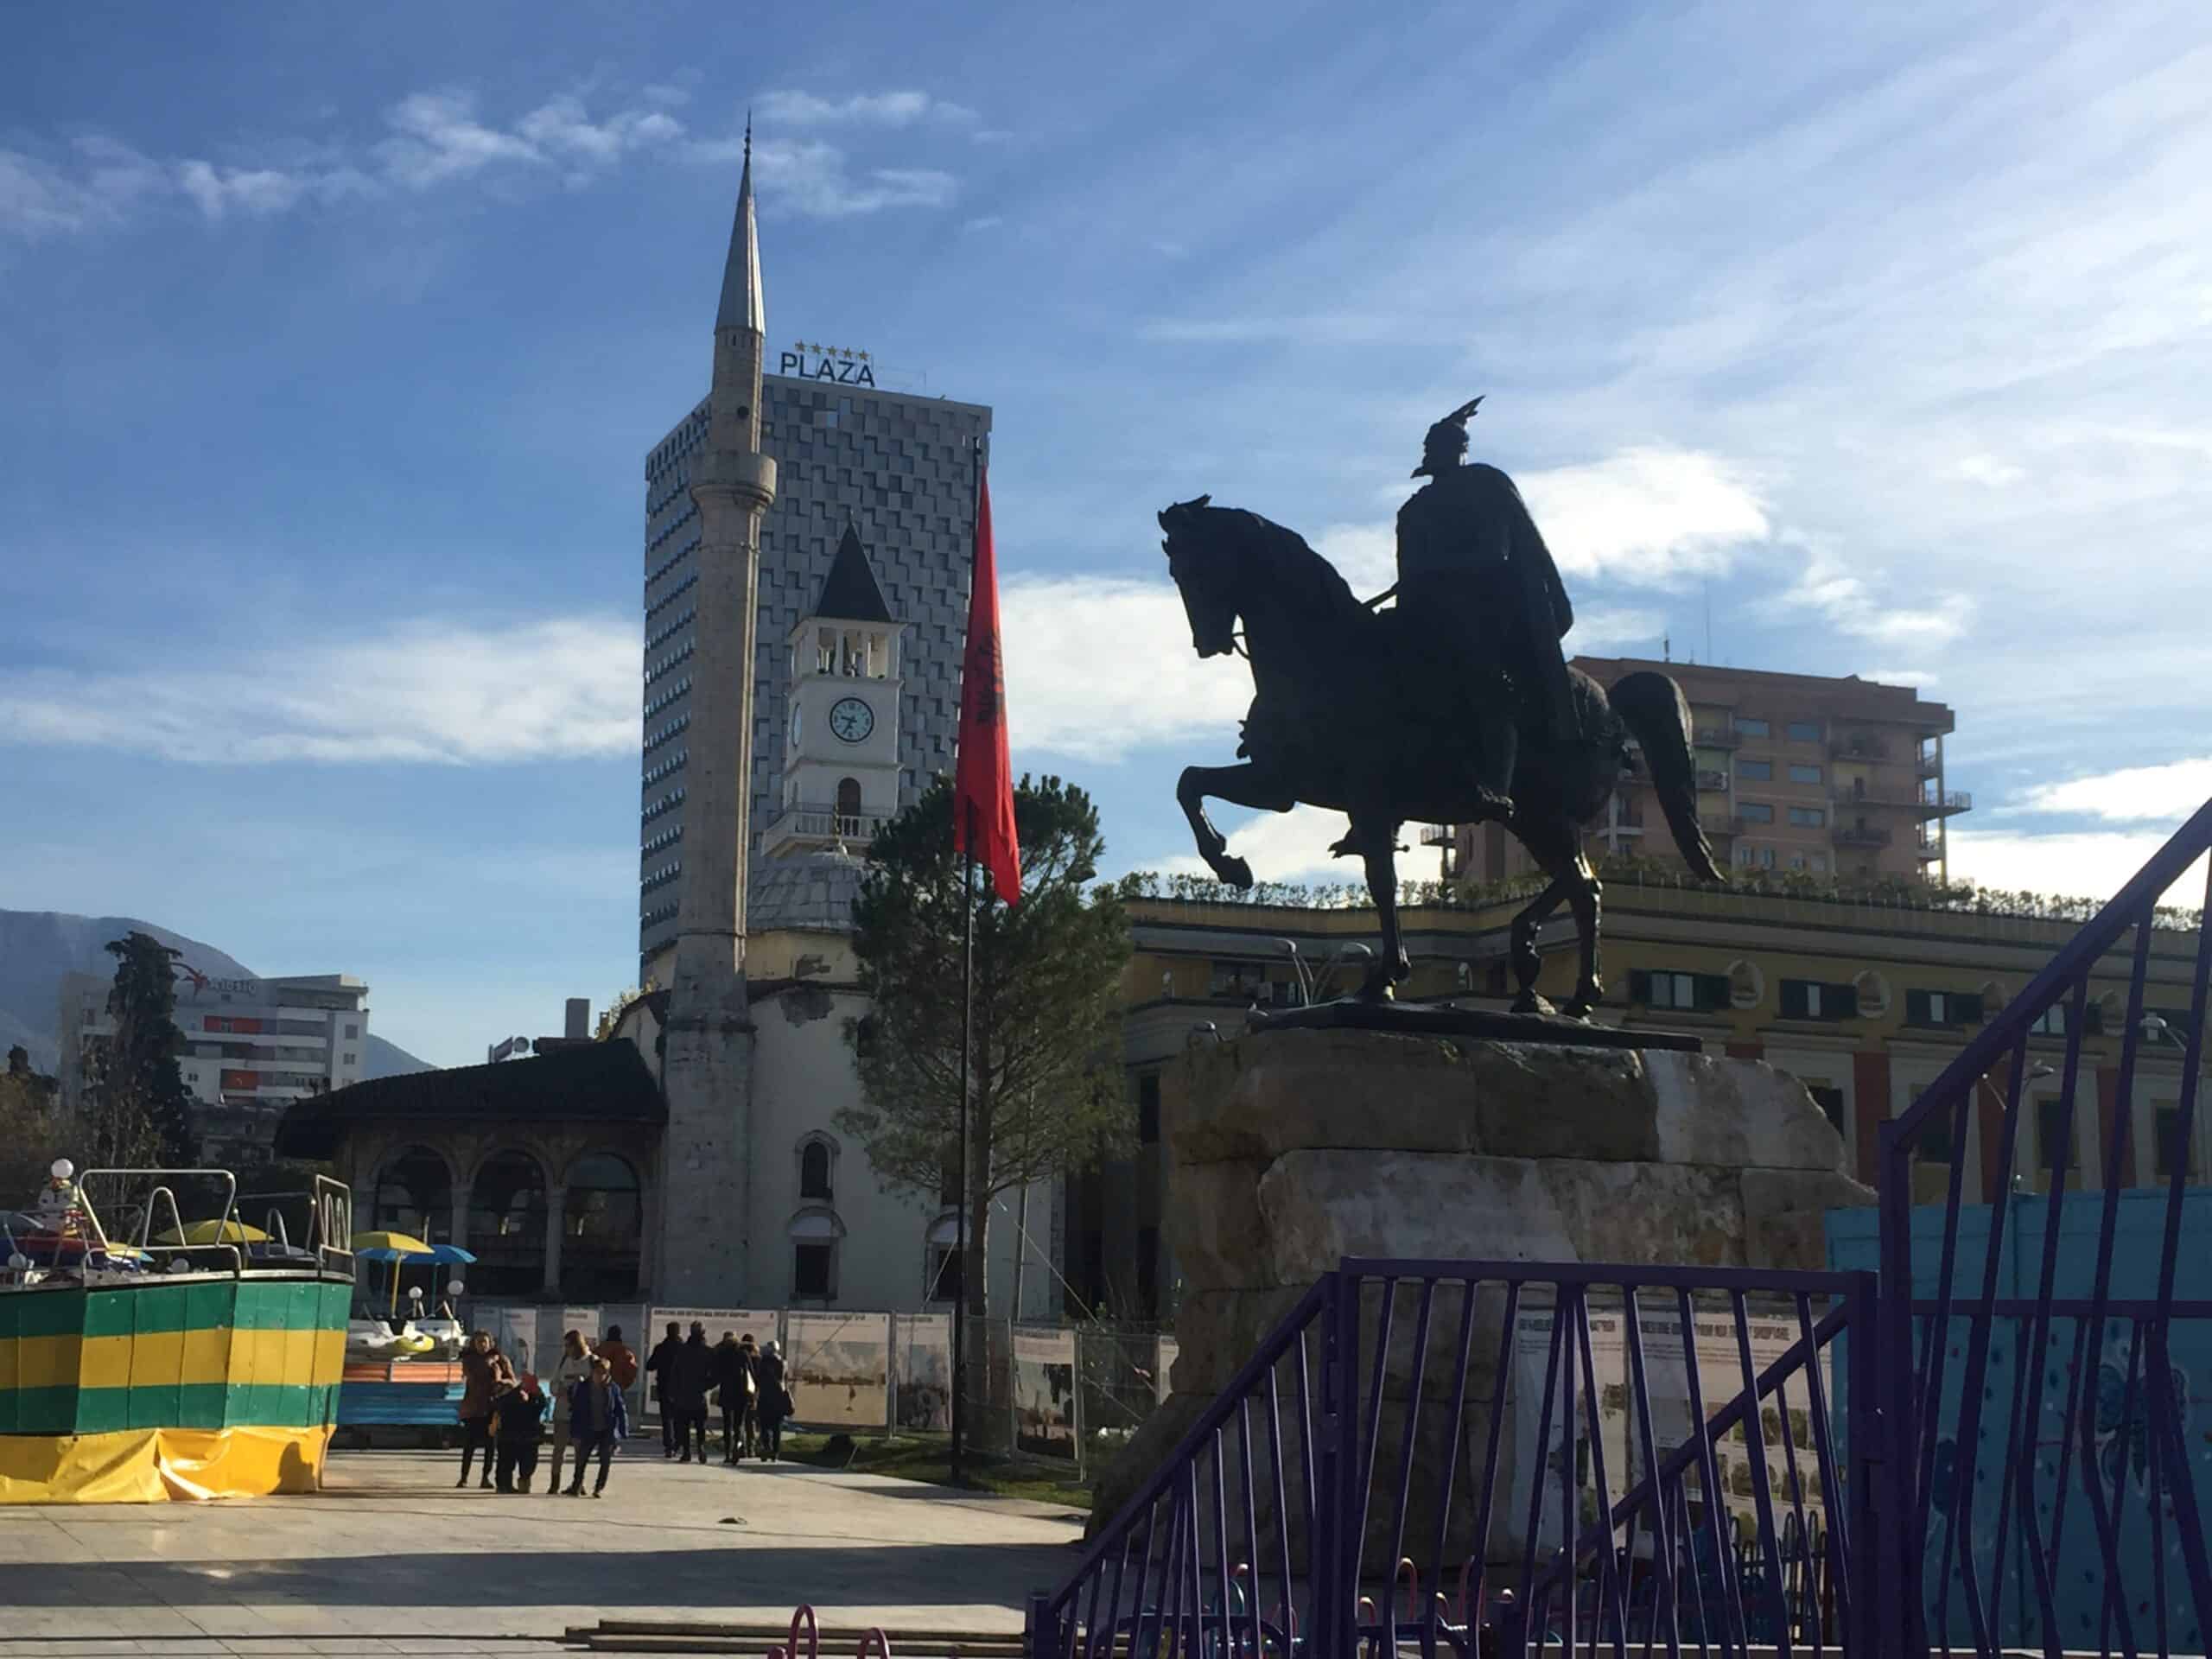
967	841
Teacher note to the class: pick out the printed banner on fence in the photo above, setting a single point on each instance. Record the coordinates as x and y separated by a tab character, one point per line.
761	1324
585	1320
837	1367
922	1365
514	1329
1720	1382
1044	1392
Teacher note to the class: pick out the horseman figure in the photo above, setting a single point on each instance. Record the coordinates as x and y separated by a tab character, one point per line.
1482	612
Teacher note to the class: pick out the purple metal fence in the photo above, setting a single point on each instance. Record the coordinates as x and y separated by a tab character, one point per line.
1997	1505
1873	1479
1426	1449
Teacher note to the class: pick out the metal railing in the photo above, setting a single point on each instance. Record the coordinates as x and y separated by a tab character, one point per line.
2052	1503
1317	1505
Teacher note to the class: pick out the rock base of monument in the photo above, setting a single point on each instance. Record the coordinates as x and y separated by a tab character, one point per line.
1291	1150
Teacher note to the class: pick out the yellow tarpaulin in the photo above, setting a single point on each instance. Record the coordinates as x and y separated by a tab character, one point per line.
161	1466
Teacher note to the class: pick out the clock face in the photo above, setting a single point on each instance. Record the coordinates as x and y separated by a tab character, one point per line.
851	719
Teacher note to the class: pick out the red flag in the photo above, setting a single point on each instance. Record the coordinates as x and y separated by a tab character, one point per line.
983	790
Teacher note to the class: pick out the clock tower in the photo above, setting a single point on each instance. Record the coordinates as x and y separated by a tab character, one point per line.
841	748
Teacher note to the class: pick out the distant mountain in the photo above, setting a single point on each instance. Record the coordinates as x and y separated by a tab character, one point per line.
37	947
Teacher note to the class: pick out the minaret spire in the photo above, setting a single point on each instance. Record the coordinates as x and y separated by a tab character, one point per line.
707	1070
741	305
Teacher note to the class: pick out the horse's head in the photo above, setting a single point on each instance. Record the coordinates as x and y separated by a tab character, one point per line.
1198	559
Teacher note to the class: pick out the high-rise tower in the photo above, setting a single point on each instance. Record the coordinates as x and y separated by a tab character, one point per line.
704	1224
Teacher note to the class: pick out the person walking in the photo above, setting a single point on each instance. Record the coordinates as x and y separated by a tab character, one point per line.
733	1389
598	1420
518	1417
658	1367
484	1373
775	1402
748	1431
619	1358
693	1370
574	1367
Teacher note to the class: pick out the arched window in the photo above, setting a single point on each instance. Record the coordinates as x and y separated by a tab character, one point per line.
506	1226
814	1171
603	1216
849	806
414	1195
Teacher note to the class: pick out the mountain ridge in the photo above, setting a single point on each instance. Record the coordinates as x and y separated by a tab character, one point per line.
38	947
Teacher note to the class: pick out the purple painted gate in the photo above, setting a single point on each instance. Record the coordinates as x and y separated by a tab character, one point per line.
1463	1457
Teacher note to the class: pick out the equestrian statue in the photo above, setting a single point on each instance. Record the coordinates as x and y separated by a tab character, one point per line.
1454	705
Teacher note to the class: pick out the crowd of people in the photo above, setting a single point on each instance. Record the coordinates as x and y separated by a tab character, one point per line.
745	1380
504	1408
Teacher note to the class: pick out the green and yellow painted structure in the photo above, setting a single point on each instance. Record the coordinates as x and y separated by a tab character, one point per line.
177	1386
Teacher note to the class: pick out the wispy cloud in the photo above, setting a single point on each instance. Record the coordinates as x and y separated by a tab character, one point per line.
2092	864
439	137
1852	605
428	692
791	108
2163	794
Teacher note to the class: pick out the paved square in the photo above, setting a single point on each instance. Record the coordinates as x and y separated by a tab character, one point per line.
389	1558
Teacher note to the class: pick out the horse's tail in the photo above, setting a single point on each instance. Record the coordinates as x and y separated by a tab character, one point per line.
1653	708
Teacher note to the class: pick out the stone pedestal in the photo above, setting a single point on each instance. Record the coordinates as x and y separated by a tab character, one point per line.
1290	1150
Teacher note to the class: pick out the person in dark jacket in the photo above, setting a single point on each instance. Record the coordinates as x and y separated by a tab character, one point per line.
748	1431
484	1373
598	1420
684	1386
520	1413
734	1392
656	1367
775	1403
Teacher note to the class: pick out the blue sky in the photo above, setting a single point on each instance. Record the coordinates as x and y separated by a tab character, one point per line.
333	342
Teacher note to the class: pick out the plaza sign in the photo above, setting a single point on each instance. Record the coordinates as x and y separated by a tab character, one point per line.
814	361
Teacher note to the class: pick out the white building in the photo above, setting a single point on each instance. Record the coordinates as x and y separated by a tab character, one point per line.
251	1047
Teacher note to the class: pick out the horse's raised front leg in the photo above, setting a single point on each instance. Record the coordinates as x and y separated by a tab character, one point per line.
1248	785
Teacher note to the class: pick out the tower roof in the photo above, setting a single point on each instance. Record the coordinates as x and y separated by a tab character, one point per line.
741	305
849	592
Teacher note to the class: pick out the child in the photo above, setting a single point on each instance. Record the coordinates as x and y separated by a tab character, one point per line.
519	1416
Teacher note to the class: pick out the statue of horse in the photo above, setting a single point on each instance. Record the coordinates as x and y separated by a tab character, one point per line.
1333	723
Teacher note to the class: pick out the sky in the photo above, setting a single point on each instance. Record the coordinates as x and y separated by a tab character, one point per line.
333	341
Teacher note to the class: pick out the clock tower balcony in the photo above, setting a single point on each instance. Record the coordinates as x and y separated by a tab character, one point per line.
812	826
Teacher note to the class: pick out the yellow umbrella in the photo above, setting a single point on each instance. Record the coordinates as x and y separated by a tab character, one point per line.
388	1246
394	1248
216	1232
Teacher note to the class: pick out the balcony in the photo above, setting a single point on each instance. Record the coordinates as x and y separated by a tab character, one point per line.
1929	762
1708	778
1713	825
1436	834
1942	807
1927	848
1858	745
1715	737
818	822
1861	834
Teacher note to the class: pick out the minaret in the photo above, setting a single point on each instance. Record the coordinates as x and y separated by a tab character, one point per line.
703	1221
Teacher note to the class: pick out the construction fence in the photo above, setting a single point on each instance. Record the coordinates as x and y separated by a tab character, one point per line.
1052	1394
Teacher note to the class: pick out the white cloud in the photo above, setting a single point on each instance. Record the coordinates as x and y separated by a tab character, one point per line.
984	222
1280	846
1919	678
560	126
2092	864
1647	515
437	137
253	191
2164	794
1987	469
1850	604
1097	666
814	178
432	691
898	109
